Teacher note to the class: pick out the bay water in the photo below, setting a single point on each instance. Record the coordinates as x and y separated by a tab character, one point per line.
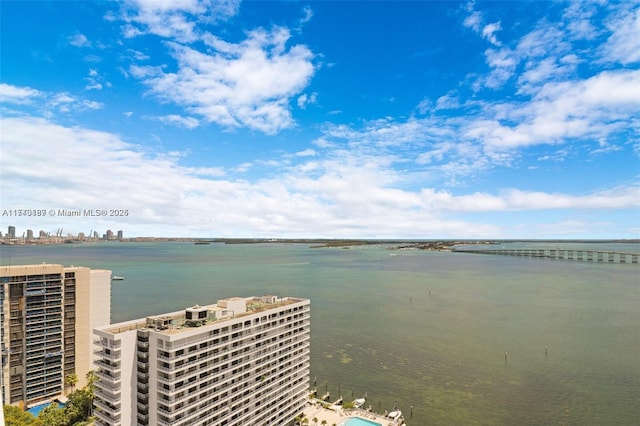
448	338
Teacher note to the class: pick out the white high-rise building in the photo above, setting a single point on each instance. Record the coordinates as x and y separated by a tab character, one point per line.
242	361
48	313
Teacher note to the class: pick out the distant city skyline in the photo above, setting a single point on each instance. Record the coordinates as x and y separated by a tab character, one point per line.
28	234
421	120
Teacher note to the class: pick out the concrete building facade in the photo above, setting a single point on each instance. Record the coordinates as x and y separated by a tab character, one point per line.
48	313
242	361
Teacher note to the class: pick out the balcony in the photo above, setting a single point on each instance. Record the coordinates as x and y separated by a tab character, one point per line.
108	377
106	418
114	356
113	398
106	407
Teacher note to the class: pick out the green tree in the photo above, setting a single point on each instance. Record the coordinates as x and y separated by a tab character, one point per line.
92	378
51	416
71	380
79	405
15	416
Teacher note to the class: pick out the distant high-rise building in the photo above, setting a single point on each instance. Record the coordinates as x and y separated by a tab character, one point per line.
109	234
42	234
48	314
242	361
11	232
29	234
120	235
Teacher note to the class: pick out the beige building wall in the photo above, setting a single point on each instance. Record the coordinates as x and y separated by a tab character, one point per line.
18	303
93	309
86	304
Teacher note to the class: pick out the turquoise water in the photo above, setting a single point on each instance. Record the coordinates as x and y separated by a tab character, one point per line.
357	421
35	410
417	329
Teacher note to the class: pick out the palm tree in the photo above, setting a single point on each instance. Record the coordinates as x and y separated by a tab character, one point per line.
92	378
323	422
71	380
315	421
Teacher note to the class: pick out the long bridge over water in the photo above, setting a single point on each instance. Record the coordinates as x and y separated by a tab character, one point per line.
561	254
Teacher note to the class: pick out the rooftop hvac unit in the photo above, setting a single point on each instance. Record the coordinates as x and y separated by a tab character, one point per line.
159	323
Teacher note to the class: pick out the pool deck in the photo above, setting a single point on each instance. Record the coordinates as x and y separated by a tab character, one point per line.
337	415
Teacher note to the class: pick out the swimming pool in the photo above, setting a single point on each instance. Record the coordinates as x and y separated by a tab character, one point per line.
35	410
358	421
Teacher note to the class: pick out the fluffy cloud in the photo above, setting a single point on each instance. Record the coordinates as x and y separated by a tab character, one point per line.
49	103
341	195
174	119
174	19
244	84
17	95
624	43
79	40
475	21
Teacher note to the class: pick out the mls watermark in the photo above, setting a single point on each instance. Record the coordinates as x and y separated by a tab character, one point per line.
65	212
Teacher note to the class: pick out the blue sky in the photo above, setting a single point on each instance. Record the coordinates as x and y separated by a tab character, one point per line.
333	119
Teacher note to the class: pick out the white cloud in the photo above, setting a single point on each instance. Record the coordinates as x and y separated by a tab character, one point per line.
174	19
95	81
308	14
66	103
174	119
553	50
79	40
518	200
93	86
448	101
453	149
306	153
137	55
245	84
624	43
304	100
578	17
49	103
344	194
489	32
475	21
591	109
16	94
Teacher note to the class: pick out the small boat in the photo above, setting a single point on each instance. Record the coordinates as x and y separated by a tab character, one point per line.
358	403
117	278
395	415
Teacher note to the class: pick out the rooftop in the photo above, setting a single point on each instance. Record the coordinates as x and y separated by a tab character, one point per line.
188	319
